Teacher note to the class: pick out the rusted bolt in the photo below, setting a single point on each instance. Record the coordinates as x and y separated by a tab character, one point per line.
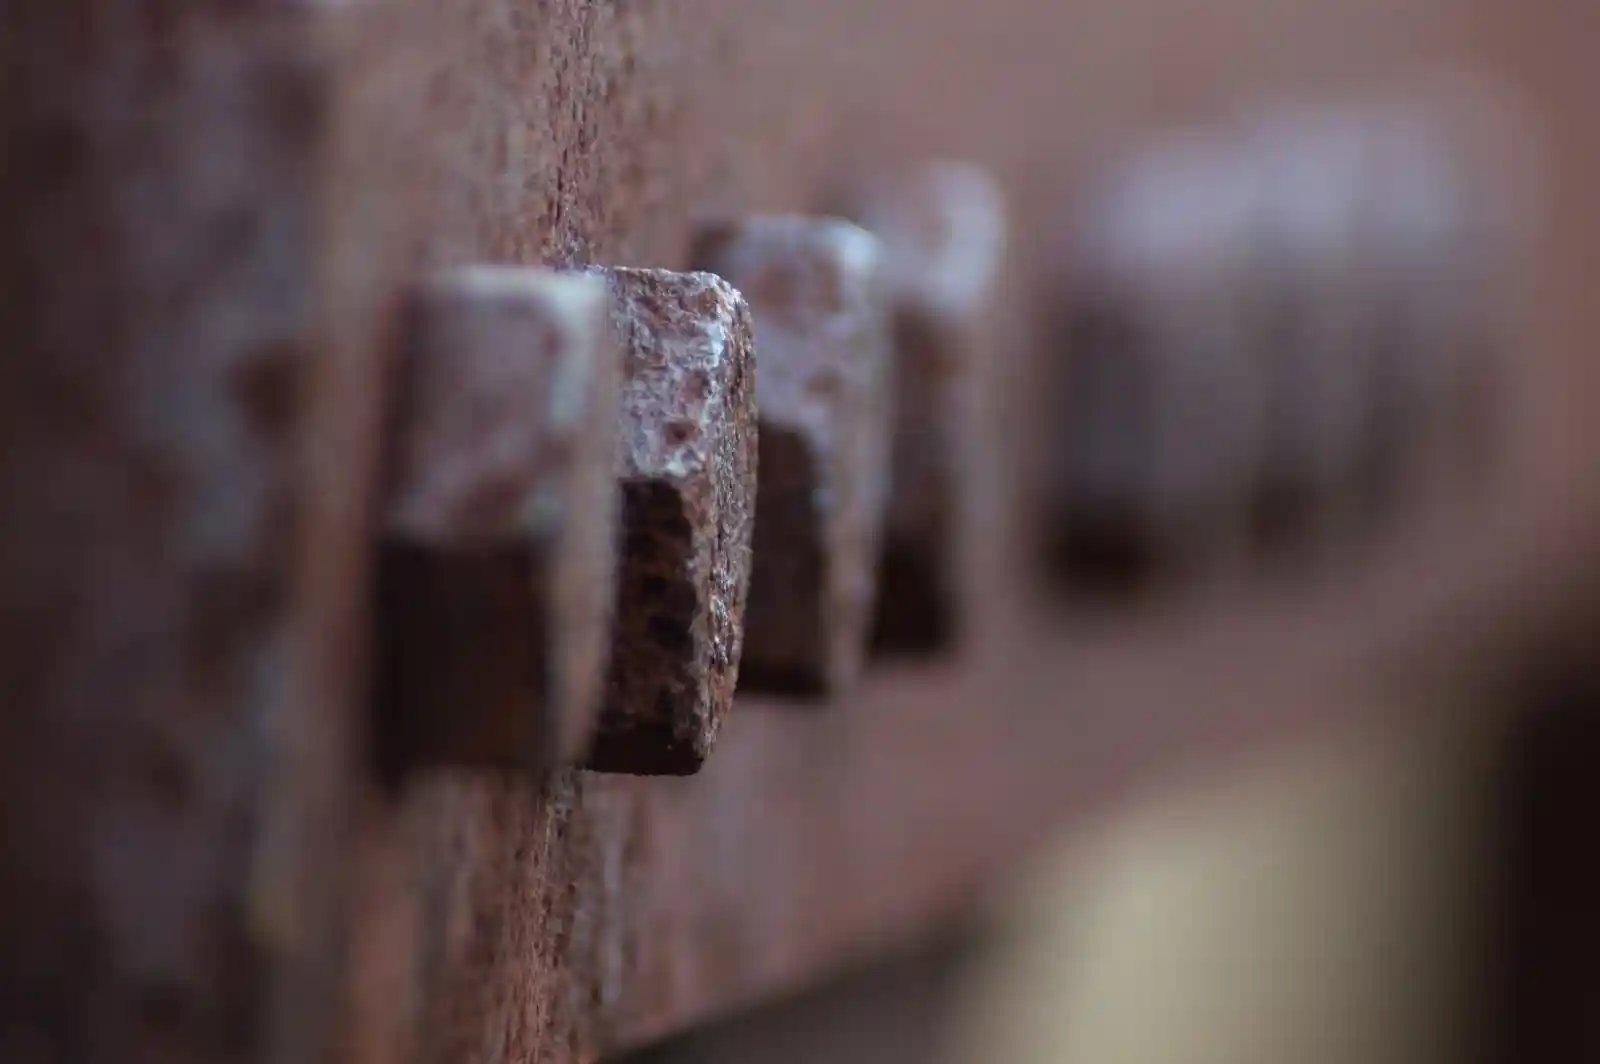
1159	414
1417	263
1454	185
495	578
687	467
942	227
1314	316
1308	302
1383	246
824	370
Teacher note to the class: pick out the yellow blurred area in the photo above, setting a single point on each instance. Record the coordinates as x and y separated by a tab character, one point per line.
1326	909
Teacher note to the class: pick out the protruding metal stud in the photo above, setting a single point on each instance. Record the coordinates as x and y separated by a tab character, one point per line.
943	229
1314	322
824	367
495	572
1158	419
687	467
1297	317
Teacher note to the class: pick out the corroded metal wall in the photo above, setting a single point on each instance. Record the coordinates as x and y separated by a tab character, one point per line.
212	209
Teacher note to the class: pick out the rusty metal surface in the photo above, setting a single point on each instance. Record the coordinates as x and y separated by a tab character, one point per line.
819	294
943	230
216	208
188	904
592	913
160	189
495	578
687	471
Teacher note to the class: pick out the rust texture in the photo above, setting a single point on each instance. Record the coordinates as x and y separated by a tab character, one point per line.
162	373
687	466
943	231
569	919
218	208
819	294
175	809
495	581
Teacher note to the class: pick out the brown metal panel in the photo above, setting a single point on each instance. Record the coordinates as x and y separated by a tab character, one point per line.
213	222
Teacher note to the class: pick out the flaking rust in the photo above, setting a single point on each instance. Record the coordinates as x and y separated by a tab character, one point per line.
495	582
943	230
687	467
825	379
